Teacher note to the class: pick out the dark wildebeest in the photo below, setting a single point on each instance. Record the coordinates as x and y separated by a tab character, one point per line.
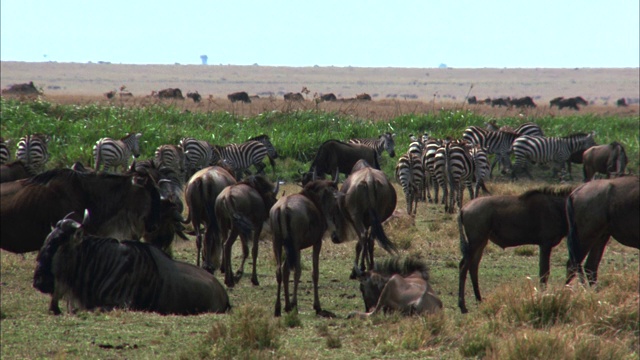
241	209
622	102
239	96
369	199
536	217
472	100
328	97
398	285
121	206
293	97
363	96
571	103
13	171
200	195
104	273
500	102
336	156
22	89
605	159
170	93
299	221
194	96
110	95
555	101
522	102
597	211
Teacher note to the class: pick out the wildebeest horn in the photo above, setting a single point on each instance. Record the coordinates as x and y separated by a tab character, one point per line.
335	178
86	218
275	192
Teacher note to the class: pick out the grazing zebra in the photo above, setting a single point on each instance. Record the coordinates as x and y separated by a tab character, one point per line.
494	142
239	157
540	149
170	157
5	154
33	152
272	153
198	155
404	176
384	142
108	152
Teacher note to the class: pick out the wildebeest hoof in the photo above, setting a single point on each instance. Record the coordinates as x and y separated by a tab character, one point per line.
255	281
325	314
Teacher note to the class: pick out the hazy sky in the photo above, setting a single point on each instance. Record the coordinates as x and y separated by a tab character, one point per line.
383	33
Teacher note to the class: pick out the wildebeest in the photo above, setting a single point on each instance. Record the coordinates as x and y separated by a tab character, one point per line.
194	96
293	97
555	101
398	285
472	100
299	221
596	211
200	195
608	159
571	103
328	97
622	102
522	102
110	95
500	102
536	217
121	206
239	96
104	273
22	89
335	155
369	199
363	96
241	209
170	93
13	171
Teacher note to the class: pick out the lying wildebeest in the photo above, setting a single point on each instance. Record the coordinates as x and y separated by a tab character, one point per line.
194	96
22	89
336	156
622	102
596	211
328	97
398	285
369	199
121	206
200	195
299	221
536	217
293	97
241	209
94	272
239	96
170	93
605	159
363	96
522	102
13	171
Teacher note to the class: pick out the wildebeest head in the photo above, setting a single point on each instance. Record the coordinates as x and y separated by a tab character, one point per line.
264	187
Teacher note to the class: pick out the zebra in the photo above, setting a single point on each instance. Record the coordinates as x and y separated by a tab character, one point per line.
494	142
540	149
198	155
384	142
272	153
108	152
404	175
428	160
239	157
5	154
171	157
33	152
528	128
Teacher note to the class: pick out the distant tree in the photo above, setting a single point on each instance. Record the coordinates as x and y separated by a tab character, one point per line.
204	59
442	66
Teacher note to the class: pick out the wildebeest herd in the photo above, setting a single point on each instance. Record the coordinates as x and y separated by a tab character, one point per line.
93	258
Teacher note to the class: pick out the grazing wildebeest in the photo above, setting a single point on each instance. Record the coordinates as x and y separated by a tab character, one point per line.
13	171
596	211
555	101
121	206
170	93
299	221
472	100
239	96
398	285
293	97
363	96
522	102
622	102
536	217
369	199
22	89
111	94
500	102
104	273
200	195
571	103
608	159
241	209
328	97
194	96
335	155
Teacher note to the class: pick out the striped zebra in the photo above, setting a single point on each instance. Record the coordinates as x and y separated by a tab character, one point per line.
384	142
494	142
272	153
5	154
540	149
459	168
33	152
428	164
110	153
171	157
404	176
198	154
239	157
528	128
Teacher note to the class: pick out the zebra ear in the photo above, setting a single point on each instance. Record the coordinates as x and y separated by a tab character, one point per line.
138	135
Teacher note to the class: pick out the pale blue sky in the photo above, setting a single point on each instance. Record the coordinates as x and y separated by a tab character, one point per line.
402	33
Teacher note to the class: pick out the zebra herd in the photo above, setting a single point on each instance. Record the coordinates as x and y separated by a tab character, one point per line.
32	151
451	164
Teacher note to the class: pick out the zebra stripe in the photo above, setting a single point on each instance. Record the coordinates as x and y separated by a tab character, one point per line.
108	152
540	149
240	157
428	163
33	152
494	142
404	176
264	139
170	157
459	168
198	155
5	154
384	142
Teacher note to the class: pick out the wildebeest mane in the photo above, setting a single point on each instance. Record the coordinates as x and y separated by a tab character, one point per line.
560	191
403	266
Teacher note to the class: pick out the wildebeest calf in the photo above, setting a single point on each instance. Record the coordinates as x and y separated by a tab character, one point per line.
608	159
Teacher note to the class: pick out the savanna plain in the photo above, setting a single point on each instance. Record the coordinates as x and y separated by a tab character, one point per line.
517	319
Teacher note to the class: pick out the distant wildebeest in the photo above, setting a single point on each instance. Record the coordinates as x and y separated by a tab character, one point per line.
125	94
200	195
111	94
241	209
299	221
170	93
239	96
363	96
522	102
293	97
500	102
13	171
369	199
400	285
596	211
608	159
571	103
622	102
336	156
121	206
328	97
536	217
555	101
472	100
194	96
104	273
22	89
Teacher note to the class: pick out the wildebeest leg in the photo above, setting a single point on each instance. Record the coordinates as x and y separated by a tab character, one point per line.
226	257
361	247
196	227
291	302
277	252
545	255
316	276
254	254
369	249
593	260
53	306
463	269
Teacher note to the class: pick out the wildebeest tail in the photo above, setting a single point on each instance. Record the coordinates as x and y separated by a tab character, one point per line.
289	250
464	241
378	232
573	242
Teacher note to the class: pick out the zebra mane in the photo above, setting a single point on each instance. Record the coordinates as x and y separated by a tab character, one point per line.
259	137
561	191
403	266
